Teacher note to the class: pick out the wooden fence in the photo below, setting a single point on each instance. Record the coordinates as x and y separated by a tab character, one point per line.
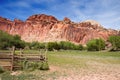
8	60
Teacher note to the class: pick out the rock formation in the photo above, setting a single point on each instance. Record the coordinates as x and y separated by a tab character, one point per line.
45	28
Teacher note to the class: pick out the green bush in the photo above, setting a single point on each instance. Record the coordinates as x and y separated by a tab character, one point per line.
52	45
63	45
96	45
55	45
70	46
1	69
66	45
115	41
42	45
78	47
25	65
30	66
36	45
44	66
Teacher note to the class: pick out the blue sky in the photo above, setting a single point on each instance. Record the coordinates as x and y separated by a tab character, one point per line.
106	12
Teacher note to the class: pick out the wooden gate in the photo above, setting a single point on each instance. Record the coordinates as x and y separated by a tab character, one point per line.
7	60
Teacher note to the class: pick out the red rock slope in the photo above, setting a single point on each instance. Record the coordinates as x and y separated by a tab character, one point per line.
45	28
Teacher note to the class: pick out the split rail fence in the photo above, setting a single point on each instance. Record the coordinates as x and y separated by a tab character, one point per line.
8	60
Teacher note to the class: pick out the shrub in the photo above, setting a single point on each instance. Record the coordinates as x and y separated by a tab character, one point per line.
66	45
30	66
1	69
36	45
95	45
78	47
63	45
25	65
42	45
115	41
55	45
44	66
52	45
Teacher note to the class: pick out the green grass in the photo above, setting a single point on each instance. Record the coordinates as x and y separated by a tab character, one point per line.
71	62
63	57
80	59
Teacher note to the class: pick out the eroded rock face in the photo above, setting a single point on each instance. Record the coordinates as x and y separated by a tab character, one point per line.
67	20
45	28
42	18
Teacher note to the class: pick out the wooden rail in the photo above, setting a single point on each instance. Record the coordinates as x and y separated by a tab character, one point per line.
11	58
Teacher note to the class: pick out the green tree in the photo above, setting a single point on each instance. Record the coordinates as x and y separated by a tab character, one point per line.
34	45
78	47
96	45
66	45
42	45
7	40
115	41
17	42
52	45
100	44
70	46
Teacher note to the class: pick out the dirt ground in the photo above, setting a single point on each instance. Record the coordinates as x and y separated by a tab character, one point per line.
97	72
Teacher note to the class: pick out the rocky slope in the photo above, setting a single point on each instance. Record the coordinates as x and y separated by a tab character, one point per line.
45	28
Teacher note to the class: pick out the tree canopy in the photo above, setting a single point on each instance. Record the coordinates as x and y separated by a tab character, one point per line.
115	41
7	41
96	45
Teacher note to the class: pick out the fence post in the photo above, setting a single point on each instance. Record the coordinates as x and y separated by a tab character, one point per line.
12	58
20	57
39	54
45	55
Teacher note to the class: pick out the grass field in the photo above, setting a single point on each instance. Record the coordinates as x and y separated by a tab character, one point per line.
75	65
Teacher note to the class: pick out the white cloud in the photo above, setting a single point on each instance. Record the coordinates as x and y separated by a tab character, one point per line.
106	12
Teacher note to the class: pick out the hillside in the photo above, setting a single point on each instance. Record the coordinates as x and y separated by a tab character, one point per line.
46	28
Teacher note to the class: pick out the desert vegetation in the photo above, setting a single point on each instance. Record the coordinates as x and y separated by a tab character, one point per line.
115	41
96	45
31	66
63	45
7	41
68	62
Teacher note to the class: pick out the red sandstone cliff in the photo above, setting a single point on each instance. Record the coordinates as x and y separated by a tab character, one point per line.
45	28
